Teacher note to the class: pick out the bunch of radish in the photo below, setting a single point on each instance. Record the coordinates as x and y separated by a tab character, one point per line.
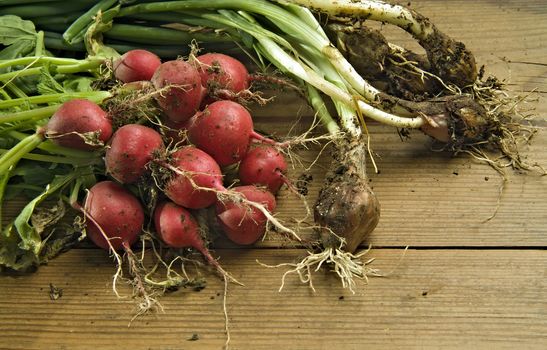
188	172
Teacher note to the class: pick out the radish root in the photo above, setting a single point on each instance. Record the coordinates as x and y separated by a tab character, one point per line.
346	265
141	289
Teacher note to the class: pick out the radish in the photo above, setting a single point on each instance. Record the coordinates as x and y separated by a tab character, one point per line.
196	183
130	149
265	166
80	124
242	224
184	91
136	65
224	130
115	214
178	228
222	75
115	220
193	168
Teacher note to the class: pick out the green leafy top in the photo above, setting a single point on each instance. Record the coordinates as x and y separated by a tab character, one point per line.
17	35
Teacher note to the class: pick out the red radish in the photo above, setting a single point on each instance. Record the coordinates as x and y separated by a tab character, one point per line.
224	130
80	124
116	212
184	90
241	223
194	168
135	65
179	229
115	218
263	165
196	183
222	72
132	147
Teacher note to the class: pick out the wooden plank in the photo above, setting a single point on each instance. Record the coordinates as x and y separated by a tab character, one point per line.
434	299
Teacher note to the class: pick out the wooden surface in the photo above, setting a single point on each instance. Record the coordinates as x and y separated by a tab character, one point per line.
464	283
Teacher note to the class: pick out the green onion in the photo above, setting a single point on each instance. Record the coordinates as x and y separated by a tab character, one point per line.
78	26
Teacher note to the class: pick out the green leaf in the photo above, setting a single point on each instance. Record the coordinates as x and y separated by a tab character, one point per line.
17	49
11	255
21	242
44	217
30	173
33	173
47	83
61	238
78	84
27	84
30	237
3	185
7	142
14	29
19	37
36	175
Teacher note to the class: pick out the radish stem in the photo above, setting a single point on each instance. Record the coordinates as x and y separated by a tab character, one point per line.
54	98
13	155
57	159
83	21
44	112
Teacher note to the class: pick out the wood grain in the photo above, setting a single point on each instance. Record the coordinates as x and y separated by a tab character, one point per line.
434	299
